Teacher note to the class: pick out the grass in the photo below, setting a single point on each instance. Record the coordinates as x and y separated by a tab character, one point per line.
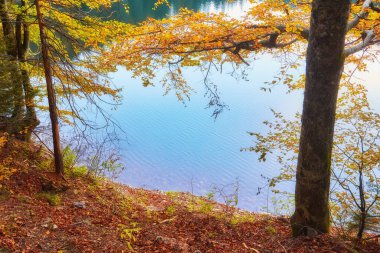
170	210
52	198
78	172
4	193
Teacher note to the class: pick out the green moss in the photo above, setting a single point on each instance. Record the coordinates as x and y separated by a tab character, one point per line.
242	218
5	194
170	210
52	198
200	205
212	234
46	165
205	207
78	172
270	229
172	194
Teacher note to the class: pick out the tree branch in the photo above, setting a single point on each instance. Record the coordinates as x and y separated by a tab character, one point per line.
369	35
374	8
304	32
363	14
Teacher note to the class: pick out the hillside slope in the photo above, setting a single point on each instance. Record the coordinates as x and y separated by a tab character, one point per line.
41	212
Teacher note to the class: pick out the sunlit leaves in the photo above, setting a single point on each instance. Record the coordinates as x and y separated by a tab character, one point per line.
273	26
356	151
75	37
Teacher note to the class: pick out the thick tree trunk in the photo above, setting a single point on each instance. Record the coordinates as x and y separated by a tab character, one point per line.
58	160
324	66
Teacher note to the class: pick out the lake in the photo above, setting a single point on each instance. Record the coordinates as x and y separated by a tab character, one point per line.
180	147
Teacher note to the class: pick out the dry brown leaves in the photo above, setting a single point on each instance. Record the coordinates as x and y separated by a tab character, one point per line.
150	221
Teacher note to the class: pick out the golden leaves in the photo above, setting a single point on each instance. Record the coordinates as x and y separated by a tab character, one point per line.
3	141
6	163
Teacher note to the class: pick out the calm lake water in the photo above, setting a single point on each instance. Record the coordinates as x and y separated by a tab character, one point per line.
179	147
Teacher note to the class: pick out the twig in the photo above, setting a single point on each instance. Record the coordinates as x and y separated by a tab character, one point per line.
252	249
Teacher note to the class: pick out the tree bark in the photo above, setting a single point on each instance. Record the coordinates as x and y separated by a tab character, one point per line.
363	202
58	160
324	66
362	224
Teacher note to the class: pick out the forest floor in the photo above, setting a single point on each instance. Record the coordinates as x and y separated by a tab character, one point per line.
41	212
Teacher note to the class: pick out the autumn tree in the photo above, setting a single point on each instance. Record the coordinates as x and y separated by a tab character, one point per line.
325	33
70	36
356	164
324	66
355	159
58	158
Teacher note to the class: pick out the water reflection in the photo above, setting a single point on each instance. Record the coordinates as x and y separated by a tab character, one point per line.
140	10
172	147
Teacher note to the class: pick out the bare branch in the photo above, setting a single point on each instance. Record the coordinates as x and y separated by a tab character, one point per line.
304	32
368	35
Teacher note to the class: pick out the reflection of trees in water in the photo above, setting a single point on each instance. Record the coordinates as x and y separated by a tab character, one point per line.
17	108
8	91
139	10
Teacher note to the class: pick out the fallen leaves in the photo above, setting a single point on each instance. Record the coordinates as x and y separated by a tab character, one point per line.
117	218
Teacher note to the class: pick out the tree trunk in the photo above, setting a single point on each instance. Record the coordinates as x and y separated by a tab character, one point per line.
58	160
363	202
324	66
362	224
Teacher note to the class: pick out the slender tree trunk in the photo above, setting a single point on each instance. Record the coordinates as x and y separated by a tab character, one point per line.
362	224
51	93
324	66
363	202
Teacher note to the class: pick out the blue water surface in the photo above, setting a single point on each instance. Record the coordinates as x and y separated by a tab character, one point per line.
181	147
